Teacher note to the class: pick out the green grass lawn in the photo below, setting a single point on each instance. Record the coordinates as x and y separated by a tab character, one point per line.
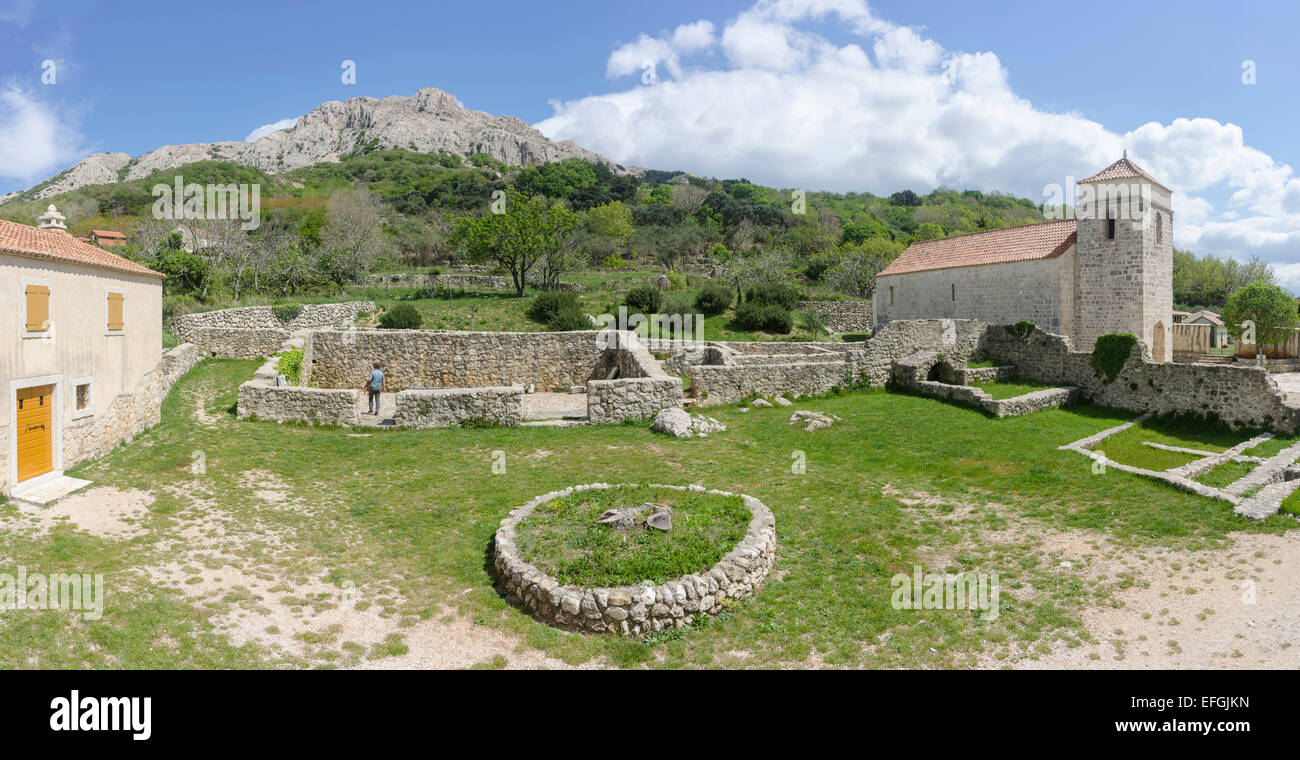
1226	474
1127	447
563	539
406	519
1011	390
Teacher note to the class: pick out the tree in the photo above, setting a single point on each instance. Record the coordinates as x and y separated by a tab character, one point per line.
527	230
612	220
353	238
1264	310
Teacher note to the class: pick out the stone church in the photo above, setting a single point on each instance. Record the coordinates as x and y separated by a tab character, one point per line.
1109	269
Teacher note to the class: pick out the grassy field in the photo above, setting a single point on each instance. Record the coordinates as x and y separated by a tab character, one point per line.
295	519
1011	390
504	312
1128	447
561	538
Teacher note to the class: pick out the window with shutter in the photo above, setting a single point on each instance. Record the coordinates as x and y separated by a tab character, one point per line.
38	308
115	311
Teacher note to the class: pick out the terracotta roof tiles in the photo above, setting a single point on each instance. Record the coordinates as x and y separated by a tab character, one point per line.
58	245
1027	242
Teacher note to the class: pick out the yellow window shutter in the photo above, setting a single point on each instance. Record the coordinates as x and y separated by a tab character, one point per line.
115	311
38	308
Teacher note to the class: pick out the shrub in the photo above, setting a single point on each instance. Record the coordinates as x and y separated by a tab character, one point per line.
645	299
401	317
773	294
1022	329
290	365
679	303
713	299
1109	354
568	319
286	313
753	315
614	261
547	305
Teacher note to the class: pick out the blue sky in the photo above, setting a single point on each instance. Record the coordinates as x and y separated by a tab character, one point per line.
834	94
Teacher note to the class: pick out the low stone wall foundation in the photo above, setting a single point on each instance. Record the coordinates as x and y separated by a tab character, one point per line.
641	609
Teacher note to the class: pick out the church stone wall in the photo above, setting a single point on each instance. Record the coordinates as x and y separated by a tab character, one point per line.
994	293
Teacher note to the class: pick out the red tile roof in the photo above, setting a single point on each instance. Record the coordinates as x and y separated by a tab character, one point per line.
107	234
1041	240
1124	169
58	245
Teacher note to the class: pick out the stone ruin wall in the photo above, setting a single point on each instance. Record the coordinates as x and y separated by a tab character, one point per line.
489	282
641	609
844	316
451	407
451	359
312	316
1241	396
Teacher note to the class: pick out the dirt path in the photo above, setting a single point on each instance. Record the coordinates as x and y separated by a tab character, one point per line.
1237	607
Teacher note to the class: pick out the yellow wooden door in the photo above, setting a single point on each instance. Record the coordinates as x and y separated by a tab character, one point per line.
35	431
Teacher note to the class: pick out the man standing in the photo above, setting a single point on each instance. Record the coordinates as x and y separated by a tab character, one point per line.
375	386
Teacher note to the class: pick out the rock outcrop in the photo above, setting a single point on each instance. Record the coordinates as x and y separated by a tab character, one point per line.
429	121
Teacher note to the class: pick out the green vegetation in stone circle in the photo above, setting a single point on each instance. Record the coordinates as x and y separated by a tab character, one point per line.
563	539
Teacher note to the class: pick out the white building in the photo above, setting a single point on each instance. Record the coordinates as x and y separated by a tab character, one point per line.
82	346
1108	270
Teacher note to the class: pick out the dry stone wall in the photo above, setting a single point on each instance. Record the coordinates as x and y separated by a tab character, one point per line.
450	407
320	316
237	342
641	609
449	359
844	316
727	384
494	283
1241	396
264	400
642	389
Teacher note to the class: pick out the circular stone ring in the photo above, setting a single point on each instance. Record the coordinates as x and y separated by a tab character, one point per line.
646	607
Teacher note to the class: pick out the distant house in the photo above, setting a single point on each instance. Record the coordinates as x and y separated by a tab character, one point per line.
1218	331
193	238
107	238
1181	316
81	330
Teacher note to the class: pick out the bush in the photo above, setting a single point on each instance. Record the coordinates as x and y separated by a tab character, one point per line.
547	305
679	303
1109	354
773	294
568	319
753	315
644	299
1022	329
290	365
713	299
286	313
401	317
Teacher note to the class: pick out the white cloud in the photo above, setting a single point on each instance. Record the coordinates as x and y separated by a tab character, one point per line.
267	129
36	139
785	106
647	51
18	12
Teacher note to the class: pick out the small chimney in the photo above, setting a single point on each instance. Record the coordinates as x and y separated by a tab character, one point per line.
52	220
